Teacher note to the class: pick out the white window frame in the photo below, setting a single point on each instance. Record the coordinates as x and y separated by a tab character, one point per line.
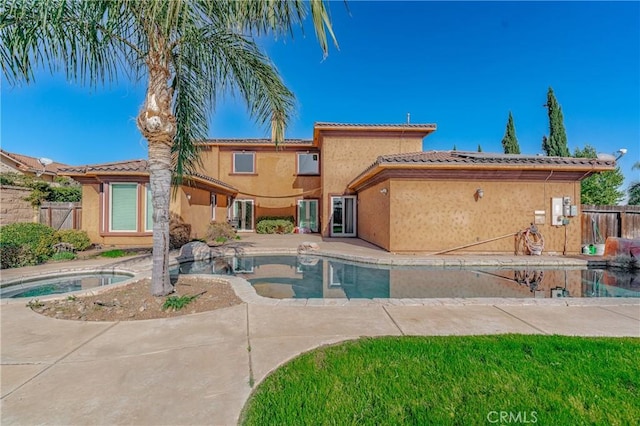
242	265
253	165
147	202
317	162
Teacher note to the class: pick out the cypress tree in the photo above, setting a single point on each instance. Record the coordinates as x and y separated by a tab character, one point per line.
556	144
454	147
479	148
510	141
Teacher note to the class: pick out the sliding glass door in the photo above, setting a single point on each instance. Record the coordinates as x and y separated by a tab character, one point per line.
343	216
308	215
242	215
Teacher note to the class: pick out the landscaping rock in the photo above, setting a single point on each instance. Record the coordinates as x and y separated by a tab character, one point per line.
196	251
307	247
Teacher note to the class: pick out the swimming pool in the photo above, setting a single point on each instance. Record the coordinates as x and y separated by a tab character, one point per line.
60	284
308	277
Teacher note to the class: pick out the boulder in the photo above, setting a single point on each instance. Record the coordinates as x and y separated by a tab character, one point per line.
307	247
196	251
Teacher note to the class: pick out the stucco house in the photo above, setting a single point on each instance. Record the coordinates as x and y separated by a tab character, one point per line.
116	202
43	168
357	180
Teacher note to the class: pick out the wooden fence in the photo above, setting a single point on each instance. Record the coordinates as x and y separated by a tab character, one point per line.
609	221
61	215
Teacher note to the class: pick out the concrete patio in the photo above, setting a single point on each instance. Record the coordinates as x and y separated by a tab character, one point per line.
199	369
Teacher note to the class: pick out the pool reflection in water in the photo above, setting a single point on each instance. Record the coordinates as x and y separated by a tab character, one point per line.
321	277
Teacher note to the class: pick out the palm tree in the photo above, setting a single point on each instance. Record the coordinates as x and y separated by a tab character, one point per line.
189	51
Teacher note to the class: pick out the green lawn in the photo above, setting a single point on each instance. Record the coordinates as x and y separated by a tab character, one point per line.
456	380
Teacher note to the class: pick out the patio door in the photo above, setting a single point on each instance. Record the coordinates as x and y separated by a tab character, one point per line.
308	215
343	216
242	215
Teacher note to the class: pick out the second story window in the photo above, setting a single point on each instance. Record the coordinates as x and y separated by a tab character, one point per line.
243	162
308	163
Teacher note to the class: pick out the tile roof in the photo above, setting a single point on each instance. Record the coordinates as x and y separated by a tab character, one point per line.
119	167
257	141
381	126
468	157
133	167
460	160
32	163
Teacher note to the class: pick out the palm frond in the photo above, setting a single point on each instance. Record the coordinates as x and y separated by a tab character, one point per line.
92	42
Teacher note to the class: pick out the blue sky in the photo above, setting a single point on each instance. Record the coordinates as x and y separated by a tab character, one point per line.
462	66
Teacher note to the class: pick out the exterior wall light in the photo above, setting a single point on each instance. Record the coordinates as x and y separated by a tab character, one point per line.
384	191
479	193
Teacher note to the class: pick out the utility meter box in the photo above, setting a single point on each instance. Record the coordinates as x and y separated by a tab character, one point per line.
559	292
557	212
573	211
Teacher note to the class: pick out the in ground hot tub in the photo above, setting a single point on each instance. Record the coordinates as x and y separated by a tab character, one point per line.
60	284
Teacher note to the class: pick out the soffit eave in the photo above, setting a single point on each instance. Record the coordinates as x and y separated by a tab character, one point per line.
206	185
371	173
320	130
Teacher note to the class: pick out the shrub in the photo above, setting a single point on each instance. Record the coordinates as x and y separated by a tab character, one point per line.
41	191
65	255
7	179
288	218
275	224
78	239
175	303
9	255
65	194
278	226
179	232
220	232
63	190
35	241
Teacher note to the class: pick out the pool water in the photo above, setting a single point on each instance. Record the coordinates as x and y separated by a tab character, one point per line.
60	284
320	277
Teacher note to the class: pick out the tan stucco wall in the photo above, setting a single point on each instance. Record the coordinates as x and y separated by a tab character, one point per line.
432	215
91	222
195	211
345	157
275	175
91	212
373	215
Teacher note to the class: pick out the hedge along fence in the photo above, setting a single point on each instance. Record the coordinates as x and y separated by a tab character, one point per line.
275	225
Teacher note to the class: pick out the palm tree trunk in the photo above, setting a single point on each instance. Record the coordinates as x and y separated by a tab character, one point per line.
158	125
160	181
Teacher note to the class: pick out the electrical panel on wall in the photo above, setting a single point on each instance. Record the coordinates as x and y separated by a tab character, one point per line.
574	211
557	205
